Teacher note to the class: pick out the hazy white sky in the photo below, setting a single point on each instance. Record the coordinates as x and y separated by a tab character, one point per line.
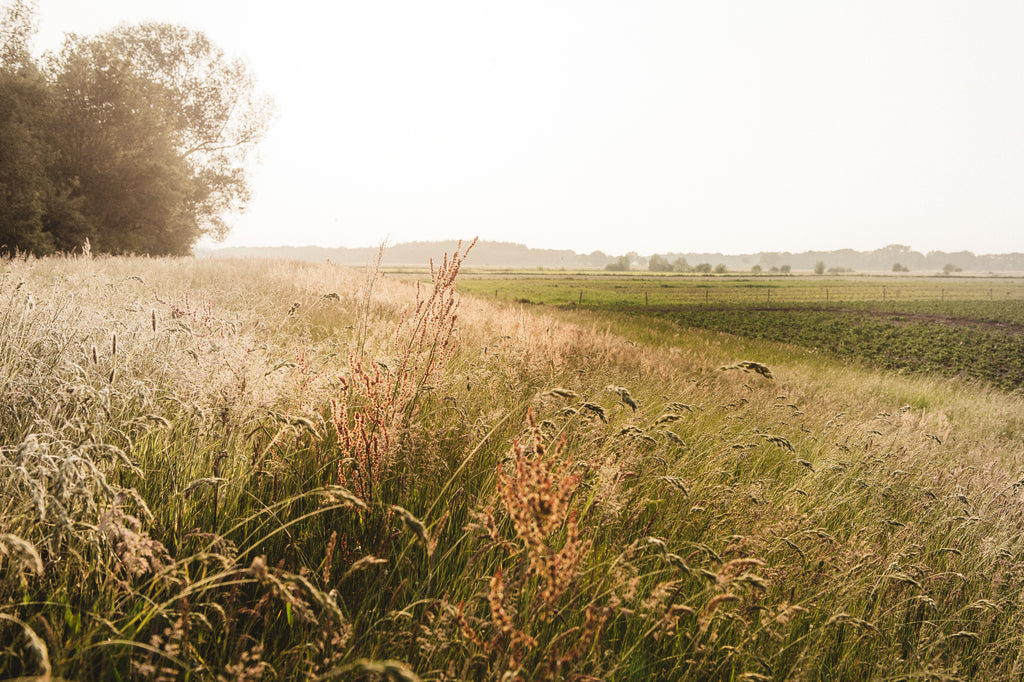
629	125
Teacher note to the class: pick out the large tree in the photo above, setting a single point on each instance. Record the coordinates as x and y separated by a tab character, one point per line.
138	139
155	127
659	263
117	156
216	116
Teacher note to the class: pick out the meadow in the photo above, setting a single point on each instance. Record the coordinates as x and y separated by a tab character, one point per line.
636	290
245	469
969	327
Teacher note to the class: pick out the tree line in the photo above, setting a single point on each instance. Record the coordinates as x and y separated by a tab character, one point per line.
668	263
894	258
491	254
132	141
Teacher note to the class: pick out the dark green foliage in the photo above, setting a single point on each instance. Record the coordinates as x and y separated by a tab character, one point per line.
135	140
24	103
213	115
24	186
117	156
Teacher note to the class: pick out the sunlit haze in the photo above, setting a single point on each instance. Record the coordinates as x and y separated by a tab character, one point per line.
624	126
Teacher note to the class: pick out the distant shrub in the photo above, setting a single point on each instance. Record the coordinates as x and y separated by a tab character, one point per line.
620	264
659	263
680	265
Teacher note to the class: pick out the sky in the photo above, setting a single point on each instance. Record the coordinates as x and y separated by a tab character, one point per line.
641	125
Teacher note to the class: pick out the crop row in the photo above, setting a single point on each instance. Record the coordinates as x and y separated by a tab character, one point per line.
995	355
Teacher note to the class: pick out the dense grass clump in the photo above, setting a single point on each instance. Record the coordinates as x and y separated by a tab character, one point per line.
271	470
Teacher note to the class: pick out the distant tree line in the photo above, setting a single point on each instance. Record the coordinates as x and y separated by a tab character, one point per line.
660	263
849	260
623	263
513	255
135	140
886	258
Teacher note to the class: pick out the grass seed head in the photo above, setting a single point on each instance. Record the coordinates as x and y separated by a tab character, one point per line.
22	551
410	521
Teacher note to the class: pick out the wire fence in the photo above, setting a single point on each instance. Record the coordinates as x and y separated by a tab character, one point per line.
658	292
825	295
771	296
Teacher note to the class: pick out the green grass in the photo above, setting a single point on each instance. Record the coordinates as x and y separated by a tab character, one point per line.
971	328
623	291
231	490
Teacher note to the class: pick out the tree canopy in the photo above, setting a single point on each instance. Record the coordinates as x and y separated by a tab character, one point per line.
659	263
137	139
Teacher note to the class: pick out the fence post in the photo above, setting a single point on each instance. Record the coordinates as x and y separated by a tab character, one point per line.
645	299
581	296
707	294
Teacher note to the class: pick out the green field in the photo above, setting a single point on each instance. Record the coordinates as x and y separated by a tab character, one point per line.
241	470
628	291
966	327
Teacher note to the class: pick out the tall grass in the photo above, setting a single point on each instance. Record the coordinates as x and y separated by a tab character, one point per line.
271	470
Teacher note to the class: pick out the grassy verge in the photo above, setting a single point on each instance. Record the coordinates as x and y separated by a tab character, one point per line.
244	470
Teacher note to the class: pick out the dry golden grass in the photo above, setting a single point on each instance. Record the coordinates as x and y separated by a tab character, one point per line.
263	470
